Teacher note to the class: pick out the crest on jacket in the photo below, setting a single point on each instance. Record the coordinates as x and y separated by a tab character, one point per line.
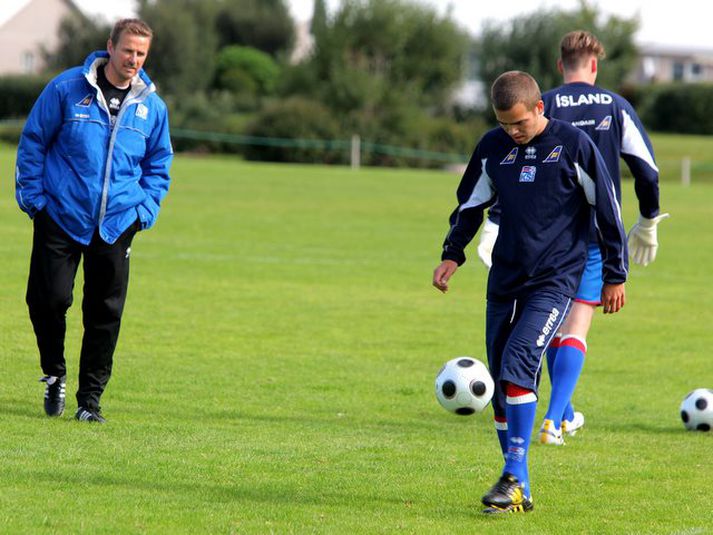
86	101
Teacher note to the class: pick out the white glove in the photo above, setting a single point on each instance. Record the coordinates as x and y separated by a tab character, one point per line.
642	240
488	235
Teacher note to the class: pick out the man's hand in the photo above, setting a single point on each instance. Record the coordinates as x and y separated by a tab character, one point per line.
613	297
442	273
642	240
488	236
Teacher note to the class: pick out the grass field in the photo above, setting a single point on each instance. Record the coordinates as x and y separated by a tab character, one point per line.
276	363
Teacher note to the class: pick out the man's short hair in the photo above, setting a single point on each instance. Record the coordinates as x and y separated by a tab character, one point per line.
132	26
577	47
512	87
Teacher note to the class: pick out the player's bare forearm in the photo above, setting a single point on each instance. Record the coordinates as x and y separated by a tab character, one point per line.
613	297
443	273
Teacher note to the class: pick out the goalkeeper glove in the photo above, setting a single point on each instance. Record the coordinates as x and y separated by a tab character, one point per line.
642	240
487	241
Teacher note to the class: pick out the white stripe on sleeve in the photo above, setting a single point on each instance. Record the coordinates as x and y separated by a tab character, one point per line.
483	190
633	143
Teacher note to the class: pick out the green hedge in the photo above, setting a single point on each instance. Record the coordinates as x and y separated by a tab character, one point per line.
677	108
18	94
296	118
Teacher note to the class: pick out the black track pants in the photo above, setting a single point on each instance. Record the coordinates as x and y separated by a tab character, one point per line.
53	267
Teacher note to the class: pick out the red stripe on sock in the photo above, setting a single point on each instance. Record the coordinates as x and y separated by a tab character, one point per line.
514	391
500	419
556	341
576	343
585	302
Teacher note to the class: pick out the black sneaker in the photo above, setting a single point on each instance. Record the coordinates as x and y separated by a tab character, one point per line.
507	496
54	394
89	415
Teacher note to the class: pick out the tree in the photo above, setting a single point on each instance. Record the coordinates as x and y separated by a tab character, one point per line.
371	50
262	24
530	43
78	37
319	18
241	69
184	46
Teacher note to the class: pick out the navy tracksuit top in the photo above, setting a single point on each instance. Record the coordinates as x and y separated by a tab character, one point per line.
545	190
616	130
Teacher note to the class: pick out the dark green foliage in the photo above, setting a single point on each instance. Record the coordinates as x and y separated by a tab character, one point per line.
530	43
182	55
407	126
370	48
18	94
293	121
385	68
11	131
296	118
246	70
212	119
318	24
78	37
678	108
262	24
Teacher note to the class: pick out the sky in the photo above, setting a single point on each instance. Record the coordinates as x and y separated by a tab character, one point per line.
685	25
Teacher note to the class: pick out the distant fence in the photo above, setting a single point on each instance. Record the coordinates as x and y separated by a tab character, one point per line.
355	146
686	168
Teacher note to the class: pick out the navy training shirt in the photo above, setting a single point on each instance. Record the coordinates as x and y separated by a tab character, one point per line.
616	130
545	191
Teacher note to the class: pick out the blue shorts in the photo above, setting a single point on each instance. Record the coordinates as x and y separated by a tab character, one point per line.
517	333
590	285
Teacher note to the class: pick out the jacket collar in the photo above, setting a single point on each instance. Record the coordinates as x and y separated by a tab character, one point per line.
140	83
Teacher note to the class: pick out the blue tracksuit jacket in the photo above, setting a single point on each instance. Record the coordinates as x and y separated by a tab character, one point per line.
85	173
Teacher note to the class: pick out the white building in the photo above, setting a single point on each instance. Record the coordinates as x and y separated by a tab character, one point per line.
666	63
28	25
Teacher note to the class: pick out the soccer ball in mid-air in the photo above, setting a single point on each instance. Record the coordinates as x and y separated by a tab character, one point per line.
697	410
464	386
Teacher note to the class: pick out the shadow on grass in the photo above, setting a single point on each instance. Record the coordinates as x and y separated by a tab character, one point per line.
158	489
28	408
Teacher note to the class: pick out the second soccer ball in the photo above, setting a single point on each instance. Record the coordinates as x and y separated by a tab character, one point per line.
464	386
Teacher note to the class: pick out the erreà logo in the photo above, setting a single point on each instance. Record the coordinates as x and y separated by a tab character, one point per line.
510	158
605	124
549	326
554	156
86	101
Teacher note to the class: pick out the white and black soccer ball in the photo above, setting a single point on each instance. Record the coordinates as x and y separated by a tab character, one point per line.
464	386
697	410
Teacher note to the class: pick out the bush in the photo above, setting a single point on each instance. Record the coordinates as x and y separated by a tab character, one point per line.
407	127
204	123
10	131
18	94
305	123
678	108
242	69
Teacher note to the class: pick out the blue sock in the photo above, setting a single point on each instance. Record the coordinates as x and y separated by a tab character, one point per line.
568	412
564	375
552	355
501	427
551	359
520	408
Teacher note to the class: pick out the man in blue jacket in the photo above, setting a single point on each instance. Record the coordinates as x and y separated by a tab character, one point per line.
545	175
92	168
